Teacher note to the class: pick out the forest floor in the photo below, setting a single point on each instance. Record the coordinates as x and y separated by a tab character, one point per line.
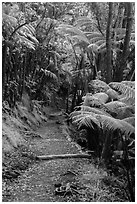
85	181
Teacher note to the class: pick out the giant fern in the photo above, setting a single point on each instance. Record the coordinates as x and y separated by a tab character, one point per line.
107	117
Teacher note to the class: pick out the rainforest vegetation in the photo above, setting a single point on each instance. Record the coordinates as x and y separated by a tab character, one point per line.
79	58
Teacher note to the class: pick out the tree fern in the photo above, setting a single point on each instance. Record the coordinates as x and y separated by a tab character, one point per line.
104	122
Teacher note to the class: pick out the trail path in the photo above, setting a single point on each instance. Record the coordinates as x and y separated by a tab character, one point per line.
36	184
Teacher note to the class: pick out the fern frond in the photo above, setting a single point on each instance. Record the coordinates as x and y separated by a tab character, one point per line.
103	97
130	120
96	39
114	106
112	124
82	21
99	85
101	43
93	35
68	29
92	101
27	29
123	89
94	110
131	84
33	39
101	47
112	94
89	121
78	113
109	123
31	29
124	112
27	42
77	118
50	74
127	101
127	128
80	44
81	38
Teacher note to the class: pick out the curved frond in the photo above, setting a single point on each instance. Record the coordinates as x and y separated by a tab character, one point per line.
28	29
101	43
31	29
81	38
101	47
68	29
130	120
99	85
89	121
127	101
103	97
124	112
33	39
123	89
50	74
82	21
131	84
92	101
26	42
91	35
114	106
109	123
112	94
112	124
127	128
96	39
94	110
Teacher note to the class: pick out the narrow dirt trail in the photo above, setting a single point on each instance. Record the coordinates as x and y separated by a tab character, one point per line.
36	184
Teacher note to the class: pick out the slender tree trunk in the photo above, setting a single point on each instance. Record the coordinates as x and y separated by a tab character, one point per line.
125	52
128	30
108	44
4	55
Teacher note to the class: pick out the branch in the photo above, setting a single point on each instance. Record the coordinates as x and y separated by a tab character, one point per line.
63	156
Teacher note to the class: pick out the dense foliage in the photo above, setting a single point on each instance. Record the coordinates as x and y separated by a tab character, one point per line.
53	52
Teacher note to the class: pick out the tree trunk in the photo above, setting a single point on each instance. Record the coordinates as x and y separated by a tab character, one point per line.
4	55
125	52
128	31
108	45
